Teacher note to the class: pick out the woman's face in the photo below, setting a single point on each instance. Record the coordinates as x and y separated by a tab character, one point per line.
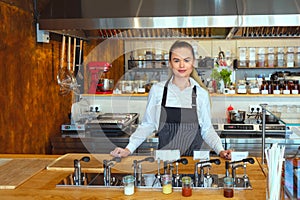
181	62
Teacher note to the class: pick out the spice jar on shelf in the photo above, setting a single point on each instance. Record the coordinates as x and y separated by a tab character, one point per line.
261	57
290	57
271	57
280	57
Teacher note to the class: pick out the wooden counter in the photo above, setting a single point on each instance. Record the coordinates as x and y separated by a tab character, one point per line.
43	184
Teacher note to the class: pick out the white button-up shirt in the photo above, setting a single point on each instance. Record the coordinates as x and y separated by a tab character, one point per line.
176	98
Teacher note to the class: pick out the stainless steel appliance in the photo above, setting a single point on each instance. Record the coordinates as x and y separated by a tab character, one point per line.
112	124
247	136
73	130
251	128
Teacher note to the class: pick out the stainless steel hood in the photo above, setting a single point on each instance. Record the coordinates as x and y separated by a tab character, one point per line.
91	19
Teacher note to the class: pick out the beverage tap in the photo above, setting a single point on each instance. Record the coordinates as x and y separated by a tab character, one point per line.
184	161
107	164
157	179
227	165
137	170
78	179
202	166
235	165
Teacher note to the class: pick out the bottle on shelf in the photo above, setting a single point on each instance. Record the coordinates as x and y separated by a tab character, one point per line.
264	88
229	108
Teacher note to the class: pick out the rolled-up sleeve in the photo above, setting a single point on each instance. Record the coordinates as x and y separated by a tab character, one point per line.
150	120
208	133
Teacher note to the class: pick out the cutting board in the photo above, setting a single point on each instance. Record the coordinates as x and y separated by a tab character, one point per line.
95	165
66	162
14	172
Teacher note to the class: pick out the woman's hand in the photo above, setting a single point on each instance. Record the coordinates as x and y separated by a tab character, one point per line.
226	154
120	152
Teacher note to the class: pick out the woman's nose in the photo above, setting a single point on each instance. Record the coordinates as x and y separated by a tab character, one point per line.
181	63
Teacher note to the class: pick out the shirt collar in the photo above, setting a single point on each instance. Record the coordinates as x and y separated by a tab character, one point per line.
192	81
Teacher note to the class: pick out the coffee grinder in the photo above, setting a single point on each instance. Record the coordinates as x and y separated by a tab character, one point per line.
95	69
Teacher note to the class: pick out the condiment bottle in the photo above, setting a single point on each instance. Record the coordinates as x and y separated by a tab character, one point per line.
228	115
186	186
166	181
295	88
264	88
286	89
128	182
228	187
276	89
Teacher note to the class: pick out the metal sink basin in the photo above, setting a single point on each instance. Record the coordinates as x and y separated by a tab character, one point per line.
93	180
97	180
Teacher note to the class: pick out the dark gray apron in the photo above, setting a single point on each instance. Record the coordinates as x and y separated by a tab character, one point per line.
179	127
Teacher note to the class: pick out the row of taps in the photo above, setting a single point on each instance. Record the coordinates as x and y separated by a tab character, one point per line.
201	179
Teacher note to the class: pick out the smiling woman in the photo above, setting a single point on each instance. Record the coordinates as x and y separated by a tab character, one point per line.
178	110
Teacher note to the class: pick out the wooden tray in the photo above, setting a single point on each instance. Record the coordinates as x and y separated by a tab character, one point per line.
16	171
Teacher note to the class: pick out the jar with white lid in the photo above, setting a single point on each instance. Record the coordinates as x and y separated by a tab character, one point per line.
166	181
128	182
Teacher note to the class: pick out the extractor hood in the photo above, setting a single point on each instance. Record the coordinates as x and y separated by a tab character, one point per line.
94	19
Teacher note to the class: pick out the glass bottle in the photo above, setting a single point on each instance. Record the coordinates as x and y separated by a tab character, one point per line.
264	87
276	89
166	181
186	186
286	89
295	89
270	87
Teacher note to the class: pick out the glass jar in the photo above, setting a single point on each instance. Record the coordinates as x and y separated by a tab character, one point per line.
166	181
186	186
228	187
261	57
128	182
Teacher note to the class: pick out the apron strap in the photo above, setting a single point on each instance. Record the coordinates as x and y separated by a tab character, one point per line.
164	99
194	96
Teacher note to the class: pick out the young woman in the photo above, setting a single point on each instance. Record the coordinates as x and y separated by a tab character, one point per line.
178	109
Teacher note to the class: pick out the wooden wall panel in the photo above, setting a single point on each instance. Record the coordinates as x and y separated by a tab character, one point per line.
31	108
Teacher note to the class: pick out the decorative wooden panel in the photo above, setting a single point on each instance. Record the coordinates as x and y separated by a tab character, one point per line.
31	108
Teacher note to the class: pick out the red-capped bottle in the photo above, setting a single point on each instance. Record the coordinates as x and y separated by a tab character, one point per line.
229	108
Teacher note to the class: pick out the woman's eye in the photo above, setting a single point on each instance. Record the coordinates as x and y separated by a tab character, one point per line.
187	60
176	60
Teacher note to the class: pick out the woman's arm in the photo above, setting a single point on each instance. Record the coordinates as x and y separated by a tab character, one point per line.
146	128
208	133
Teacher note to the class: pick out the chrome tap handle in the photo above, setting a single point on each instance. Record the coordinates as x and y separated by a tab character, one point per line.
196	174
139	175
77	172
227	165
78	180
135	171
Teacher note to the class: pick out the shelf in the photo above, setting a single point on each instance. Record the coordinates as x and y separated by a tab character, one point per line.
279	68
